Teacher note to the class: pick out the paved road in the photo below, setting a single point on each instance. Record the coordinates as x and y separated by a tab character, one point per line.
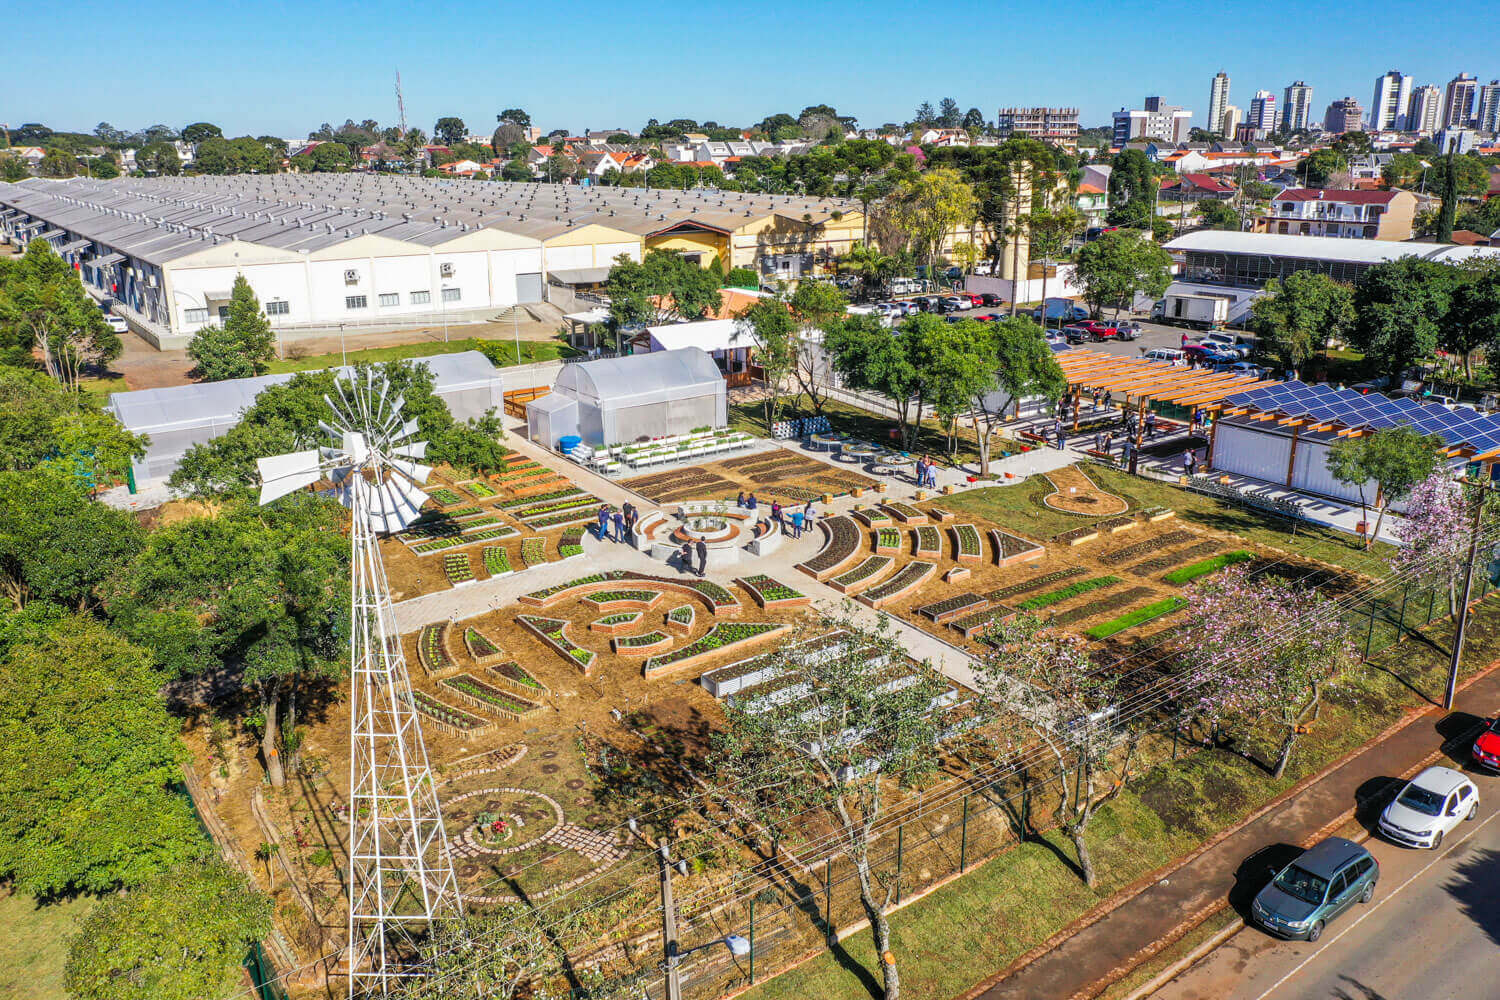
1431	933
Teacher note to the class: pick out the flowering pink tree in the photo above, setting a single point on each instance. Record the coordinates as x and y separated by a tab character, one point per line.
1262	650
1435	535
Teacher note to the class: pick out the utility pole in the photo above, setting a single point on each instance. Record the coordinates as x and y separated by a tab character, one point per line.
1463	606
668	921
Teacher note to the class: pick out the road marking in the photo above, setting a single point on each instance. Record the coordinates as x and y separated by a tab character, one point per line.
1441	855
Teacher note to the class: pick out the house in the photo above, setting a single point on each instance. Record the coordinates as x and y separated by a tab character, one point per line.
1367	215
381	157
463	168
943	137
1368	166
1197	187
29	155
597	162
1468	238
1092	203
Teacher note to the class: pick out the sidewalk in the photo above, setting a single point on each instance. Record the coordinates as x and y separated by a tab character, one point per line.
1135	929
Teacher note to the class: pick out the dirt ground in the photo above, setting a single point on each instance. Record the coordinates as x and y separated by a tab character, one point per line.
770	475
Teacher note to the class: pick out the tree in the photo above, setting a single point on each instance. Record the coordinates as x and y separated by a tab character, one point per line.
802	749
1132	189
1051	231
519	954
1393	460
1024	366
1466	174
1434	534
108	134
515	170
56	544
1218	215
88	755
869	357
775	334
1043	684
102	168
57	163
930	207
1448	210
1399	307
12	169
1403	170
925	115
180	936
974	121
1322	166
242	347
960	362
1472	320
514	116
158	159
328	157
43	304
1299	314
449	131
1240	674
663	287
1120	265
43	423
199	131
559	167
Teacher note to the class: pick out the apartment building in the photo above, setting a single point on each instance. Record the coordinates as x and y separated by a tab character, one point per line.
1344	115
1262	115
1388	109
1458	101
1058	126
1218	100
1296	107
1487	117
1424	113
1156	121
1360	215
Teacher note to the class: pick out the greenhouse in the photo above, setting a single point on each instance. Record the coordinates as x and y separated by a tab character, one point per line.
616	400
178	417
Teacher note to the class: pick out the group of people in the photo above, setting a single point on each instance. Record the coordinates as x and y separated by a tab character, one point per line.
926	473
785	517
688	551
622	520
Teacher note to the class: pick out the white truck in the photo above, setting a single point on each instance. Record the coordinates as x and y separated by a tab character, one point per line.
1204	311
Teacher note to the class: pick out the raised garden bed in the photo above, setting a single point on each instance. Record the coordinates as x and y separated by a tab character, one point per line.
620	621
623	600
888	541
551	632
445	496
968	546
769	593
535	510
561	520
1213	564
862	575
1115	525
929	541
1140	616
1158	513
471	538
1156	544
644	644
1072	590
481	650
939	515
441	516
516	676
449	718
840	544
953	607
432	648
1077	536
870	517
1012	549
480	694
496	561
458	569
679	621
909	578
533	551
956	574
1168	560
972	626
570	544
518	503
547	595
1105	605
904	512
1035	583
478	489
717	640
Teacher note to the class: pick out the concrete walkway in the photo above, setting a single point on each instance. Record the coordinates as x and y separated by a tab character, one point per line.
1139	925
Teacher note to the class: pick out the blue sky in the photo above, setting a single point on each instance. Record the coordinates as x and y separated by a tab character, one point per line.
283	68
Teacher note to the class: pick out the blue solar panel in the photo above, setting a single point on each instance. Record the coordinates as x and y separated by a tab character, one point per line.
1380	421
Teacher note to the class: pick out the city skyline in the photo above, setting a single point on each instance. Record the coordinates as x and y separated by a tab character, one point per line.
266	90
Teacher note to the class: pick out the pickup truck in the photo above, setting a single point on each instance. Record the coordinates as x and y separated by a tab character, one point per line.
1098	330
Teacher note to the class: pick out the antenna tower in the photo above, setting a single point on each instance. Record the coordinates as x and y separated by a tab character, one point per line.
401	874
400	105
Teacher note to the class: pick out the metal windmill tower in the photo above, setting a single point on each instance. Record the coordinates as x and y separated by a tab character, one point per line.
400	872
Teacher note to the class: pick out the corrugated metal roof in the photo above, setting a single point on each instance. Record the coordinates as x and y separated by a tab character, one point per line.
1321	247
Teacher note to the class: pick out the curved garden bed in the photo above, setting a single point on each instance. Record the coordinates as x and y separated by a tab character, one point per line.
910	577
888	541
840	544
1012	549
769	593
623	600
720	639
721	602
905	512
432	648
552	632
861	576
644	644
620	621
679	621
448	718
481	649
481	694
929	541
516	676
968	547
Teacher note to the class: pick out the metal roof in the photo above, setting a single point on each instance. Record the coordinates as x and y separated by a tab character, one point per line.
1321	247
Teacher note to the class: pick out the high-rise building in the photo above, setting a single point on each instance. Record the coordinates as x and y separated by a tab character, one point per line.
1344	115
1262	111
1487	117
1230	121
1392	97
1058	126
1296	107
1158	122
1458	101
1218	100
1424	114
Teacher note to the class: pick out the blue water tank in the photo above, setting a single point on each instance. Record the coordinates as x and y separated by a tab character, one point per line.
568	442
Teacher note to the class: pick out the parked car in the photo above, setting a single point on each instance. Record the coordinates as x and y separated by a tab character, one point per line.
1171	354
116	323
991	299
1209	355
1099	330
1075	334
1129	331
987	317
1429	806
1227	342
1487	745
925	303
1061	309
1323	882
975	299
954	303
1246	368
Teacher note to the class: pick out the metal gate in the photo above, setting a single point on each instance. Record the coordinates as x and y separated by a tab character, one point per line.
529	287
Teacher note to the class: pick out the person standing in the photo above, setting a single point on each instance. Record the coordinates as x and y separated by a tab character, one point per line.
739	501
797	518
603	522
1189	460
1150	425
807	516
619	520
1057	430
921	470
685	557
702	556
1109	398
1062	438
776	511
1096	397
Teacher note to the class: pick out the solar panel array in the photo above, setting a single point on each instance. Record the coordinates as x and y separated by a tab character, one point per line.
1458	426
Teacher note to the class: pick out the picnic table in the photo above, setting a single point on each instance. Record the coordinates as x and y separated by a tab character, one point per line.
860	449
827	442
893	461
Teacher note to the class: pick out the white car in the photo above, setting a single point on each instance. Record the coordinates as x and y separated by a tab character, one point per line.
116	323
1429	806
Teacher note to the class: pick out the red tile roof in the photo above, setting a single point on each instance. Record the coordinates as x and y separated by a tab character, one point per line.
1090	189
1204	182
1342	197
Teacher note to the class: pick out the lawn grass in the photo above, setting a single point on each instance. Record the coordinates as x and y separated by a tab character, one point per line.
1014	507
500	353
35	944
1139	616
847	419
1203	567
970	928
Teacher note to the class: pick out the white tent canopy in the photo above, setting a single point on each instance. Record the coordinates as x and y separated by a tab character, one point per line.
708	335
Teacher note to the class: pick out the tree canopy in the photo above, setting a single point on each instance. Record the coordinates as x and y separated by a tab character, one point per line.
43	305
1299	314
664	286
241	346
56	544
41	422
1393	460
1118	266
1399	307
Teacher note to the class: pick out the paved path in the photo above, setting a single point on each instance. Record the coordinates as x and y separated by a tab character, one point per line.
1429	934
1141	922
